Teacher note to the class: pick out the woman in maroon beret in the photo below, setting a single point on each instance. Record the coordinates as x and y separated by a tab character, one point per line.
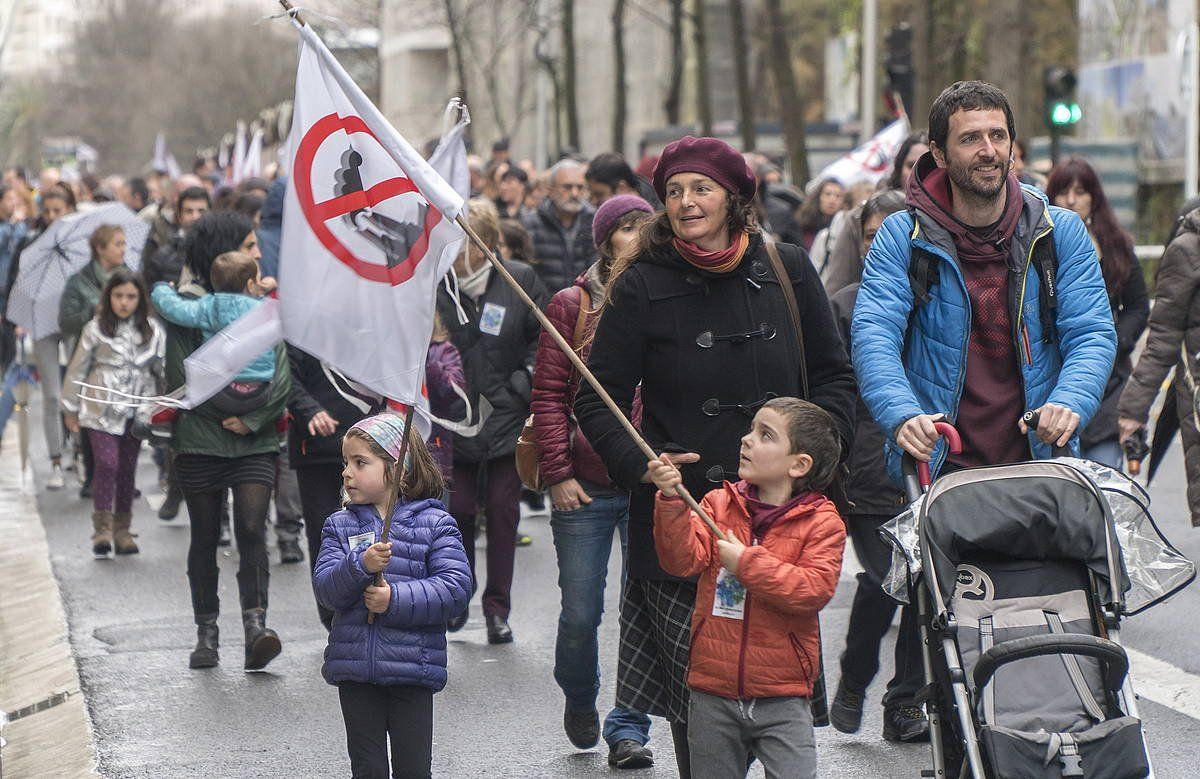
699	319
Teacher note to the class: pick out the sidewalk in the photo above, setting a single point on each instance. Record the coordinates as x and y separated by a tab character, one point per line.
36	663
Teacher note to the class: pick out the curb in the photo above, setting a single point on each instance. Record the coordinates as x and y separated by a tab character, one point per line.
50	733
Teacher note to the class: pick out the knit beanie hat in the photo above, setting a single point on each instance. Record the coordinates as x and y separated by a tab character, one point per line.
611	211
713	158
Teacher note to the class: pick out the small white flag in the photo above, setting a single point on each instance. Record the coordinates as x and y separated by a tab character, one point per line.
869	162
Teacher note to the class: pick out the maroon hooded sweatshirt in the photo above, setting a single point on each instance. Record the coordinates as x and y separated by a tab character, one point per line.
992	398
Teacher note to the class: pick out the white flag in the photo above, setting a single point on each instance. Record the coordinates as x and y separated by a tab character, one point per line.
239	154
368	233
164	160
449	158
220	359
252	166
869	162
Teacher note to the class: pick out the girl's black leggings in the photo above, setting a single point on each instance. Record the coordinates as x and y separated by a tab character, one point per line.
373	713
250	504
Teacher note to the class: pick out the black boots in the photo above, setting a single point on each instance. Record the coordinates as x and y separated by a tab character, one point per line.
262	643
205	654
498	631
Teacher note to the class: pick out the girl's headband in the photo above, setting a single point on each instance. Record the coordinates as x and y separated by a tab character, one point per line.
385	429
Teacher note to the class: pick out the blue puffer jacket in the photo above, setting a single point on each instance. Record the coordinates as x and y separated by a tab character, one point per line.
913	362
430	581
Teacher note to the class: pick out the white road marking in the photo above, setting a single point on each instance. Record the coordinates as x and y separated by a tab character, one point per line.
1159	681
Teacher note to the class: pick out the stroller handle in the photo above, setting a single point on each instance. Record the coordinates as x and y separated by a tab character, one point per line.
917	476
1032	419
1110	654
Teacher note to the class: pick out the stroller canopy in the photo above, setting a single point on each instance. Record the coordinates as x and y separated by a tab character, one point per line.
1044	510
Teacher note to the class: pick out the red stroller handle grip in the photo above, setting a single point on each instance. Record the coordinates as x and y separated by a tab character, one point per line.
953	440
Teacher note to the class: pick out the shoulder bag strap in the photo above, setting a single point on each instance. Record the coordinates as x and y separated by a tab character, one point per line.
585	306
789	296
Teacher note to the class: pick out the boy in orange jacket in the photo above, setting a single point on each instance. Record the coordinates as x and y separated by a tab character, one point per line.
755	643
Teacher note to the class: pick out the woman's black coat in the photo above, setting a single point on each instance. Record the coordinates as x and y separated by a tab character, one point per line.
708	350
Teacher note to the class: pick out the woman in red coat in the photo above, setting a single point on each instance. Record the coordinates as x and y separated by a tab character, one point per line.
588	507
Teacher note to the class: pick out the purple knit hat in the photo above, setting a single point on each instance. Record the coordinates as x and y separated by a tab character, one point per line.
710	156
611	211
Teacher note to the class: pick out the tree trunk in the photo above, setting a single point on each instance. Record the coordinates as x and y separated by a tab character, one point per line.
791	106
619	99
675	83
742	69
1006	48
569	92
457	33
703	93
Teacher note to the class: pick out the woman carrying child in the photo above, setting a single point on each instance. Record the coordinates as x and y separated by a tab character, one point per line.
779	558
387	648
216	451
120	349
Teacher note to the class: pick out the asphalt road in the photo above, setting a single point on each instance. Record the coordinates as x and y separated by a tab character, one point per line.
500	716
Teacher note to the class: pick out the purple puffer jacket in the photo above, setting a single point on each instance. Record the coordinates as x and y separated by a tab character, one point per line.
430	581
444	368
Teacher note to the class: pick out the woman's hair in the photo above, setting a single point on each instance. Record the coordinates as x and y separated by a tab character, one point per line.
421	478
607	258
102	236
809	216
1116	246
516	239
59	191
895	179
883	203
810	430
107	318
656	235
215	233
484	220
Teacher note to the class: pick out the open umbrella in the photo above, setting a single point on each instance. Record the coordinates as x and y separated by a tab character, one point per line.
60	252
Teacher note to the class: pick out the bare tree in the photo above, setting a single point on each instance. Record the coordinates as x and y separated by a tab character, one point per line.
675	84
457	34
741	67
620	103
703	91
570	105
790	104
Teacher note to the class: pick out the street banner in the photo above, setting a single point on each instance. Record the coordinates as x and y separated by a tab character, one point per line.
368	232
869	162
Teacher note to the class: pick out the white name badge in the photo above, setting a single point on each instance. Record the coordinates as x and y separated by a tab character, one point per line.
361	541
729	600
492	319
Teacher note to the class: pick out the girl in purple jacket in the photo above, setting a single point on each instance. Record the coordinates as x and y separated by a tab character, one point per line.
387	671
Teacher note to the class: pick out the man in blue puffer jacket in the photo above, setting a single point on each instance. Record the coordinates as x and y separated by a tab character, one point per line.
991	338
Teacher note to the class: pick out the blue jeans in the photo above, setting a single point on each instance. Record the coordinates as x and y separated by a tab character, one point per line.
1107	452
582	541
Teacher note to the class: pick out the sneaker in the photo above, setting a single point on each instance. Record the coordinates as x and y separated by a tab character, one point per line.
55	480
907	724
582	726
290	552
628	753
846	713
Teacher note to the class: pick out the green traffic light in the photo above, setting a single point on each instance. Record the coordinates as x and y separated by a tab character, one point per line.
1061	113
1076	113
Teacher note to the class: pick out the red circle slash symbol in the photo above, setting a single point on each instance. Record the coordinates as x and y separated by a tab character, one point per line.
319	214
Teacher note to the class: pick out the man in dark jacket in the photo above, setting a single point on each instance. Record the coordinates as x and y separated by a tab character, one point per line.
498	343
561	228
163	263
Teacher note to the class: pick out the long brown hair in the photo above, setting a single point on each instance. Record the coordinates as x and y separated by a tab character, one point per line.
420	479
656	235
107	319
1116	246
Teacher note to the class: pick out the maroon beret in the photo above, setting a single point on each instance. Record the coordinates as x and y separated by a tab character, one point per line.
710	156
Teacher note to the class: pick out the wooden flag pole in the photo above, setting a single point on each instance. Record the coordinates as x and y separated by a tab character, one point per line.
573	356
391	504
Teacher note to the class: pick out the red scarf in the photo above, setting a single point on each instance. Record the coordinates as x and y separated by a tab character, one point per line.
721	261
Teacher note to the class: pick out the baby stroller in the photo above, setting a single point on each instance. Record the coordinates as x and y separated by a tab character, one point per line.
1022	574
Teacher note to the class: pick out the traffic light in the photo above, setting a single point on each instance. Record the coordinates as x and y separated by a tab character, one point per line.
1062	110
898	62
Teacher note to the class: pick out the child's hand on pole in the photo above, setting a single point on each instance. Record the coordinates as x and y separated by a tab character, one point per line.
376	557
664	475
377	598
730	549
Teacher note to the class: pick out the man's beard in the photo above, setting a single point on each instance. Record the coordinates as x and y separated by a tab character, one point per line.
961	176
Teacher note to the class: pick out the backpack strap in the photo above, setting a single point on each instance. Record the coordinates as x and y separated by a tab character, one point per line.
1045	262
922	274
789	296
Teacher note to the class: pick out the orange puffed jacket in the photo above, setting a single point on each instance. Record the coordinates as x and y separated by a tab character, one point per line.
789	575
